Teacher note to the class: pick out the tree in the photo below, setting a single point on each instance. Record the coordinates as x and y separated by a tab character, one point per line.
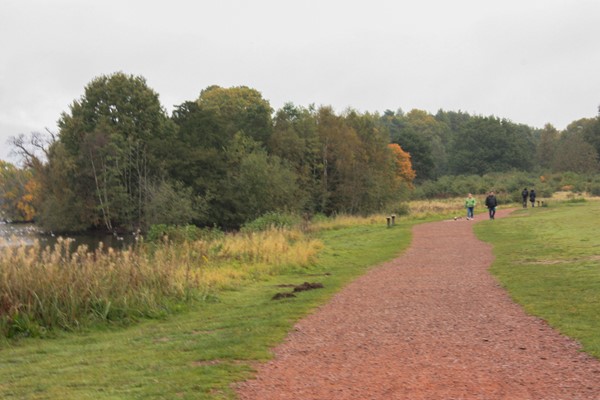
196	156
111	143
411	141
339	151
238	109
374	185
296	140
488	144
404	171
171	203
437	134
591	132
19	190
255	184
546	147
575	155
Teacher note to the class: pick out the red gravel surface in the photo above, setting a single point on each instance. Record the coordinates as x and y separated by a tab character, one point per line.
431	324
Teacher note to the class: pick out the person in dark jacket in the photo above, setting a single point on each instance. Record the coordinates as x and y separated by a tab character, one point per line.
532	197
491	203
525	194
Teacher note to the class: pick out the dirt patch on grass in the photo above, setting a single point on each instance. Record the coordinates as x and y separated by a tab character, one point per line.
297	288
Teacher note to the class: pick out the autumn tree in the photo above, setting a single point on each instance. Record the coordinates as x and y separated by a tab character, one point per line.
419	147
373	182
404	172
19	190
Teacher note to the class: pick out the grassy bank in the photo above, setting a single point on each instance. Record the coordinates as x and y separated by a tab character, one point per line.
56	288
199	353
549	261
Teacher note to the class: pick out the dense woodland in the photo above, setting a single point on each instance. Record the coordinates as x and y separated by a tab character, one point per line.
119	161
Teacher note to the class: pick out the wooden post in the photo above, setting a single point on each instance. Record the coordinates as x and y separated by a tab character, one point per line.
393	219
388	221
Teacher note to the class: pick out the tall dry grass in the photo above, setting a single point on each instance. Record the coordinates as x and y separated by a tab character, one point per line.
414	209
452	206
49	288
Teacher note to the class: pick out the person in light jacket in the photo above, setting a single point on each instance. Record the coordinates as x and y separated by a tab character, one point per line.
470	203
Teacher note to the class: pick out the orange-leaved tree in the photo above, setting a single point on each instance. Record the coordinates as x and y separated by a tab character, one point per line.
18	193
404	171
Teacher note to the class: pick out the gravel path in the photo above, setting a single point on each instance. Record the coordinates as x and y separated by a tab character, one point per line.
431	324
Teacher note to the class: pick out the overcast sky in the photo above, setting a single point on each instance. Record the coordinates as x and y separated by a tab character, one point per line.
531	61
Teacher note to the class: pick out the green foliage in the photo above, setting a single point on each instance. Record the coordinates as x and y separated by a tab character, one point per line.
171	204
238	109
576	200
272	220
401	209
256	183
107	152
595	189
409	137
180	234
487	144
508	186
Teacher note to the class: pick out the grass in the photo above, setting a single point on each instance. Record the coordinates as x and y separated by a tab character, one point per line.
549	261
196	354
56	288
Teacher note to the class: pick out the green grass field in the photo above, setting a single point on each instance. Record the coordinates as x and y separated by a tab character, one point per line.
549	261
196	354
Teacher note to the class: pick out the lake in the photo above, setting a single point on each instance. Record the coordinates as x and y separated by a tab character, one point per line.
25	235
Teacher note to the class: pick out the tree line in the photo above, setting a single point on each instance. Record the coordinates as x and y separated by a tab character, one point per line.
119	161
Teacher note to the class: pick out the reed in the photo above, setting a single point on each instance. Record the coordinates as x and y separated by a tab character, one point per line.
58	288
421	208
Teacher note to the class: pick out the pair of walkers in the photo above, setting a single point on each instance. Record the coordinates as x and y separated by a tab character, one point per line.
528	194
490	202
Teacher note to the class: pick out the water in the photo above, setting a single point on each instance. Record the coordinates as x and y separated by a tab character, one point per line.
26	234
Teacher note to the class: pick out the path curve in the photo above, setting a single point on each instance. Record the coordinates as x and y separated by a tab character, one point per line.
431	324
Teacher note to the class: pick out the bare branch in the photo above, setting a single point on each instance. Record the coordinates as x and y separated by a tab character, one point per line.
28	147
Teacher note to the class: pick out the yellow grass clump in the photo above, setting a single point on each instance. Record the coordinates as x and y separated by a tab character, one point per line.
57	287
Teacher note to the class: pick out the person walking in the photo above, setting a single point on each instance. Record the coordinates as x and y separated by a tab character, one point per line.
525	194
491	203
532	197
470	203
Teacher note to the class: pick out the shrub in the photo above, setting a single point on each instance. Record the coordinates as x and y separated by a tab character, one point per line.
401	209
595	189
272	220
180	234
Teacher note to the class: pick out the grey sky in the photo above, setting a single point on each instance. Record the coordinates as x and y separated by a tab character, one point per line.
531	61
